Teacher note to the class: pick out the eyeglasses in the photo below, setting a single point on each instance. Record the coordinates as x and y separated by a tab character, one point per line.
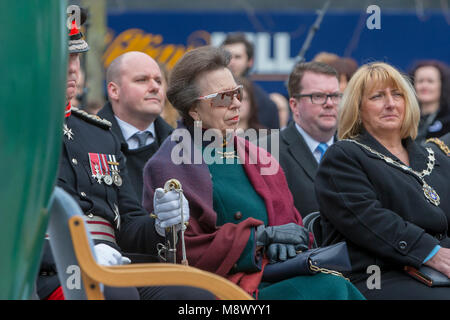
224	98
321	98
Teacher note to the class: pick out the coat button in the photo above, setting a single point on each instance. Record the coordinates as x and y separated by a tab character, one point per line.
238	215
74	161
402	245
83	194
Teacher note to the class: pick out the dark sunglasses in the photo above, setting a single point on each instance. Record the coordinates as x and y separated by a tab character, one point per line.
224	98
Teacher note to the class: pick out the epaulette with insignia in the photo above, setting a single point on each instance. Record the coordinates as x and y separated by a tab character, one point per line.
92	118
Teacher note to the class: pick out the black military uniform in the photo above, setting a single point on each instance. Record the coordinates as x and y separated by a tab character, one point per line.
92	170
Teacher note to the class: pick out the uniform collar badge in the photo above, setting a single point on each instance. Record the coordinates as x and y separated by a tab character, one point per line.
67	132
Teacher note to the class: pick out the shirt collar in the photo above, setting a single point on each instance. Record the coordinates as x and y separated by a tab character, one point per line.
312	144
129	130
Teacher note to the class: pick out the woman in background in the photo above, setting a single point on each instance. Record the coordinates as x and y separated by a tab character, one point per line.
432	84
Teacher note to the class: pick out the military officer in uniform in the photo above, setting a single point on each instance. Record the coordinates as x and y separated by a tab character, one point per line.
92	170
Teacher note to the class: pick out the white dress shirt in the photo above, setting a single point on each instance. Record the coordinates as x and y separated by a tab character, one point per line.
312	144
128	132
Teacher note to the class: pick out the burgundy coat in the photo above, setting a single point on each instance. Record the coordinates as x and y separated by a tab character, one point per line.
211	248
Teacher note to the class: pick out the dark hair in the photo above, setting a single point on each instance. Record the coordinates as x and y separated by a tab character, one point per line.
296	76
182	90
239	37
345	66
444	73
253	121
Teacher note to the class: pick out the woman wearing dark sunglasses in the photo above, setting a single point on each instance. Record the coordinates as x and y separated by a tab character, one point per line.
241	210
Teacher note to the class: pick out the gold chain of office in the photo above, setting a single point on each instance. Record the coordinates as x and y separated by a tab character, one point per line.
441	145
430	194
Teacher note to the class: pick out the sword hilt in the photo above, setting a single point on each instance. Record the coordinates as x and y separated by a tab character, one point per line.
171	234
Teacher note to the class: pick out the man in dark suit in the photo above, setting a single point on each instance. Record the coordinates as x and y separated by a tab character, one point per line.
313	98
136	100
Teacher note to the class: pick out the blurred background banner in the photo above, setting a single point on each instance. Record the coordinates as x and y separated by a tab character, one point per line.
404	36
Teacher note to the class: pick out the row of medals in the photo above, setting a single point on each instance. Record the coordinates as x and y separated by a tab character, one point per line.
108	179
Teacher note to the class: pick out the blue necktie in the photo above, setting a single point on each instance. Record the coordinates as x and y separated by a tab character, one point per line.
322	147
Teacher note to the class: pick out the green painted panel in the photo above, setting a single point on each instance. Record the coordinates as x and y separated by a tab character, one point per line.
33	61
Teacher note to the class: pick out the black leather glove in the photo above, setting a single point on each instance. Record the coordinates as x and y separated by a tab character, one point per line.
279	252
290	233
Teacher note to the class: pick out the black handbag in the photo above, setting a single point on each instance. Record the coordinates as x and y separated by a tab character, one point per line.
429	276
332	259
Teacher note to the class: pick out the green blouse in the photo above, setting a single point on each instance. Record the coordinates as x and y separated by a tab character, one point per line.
234	200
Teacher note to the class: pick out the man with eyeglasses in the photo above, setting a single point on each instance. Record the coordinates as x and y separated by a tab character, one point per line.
314	97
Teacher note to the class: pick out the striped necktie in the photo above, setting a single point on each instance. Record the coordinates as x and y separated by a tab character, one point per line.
322	147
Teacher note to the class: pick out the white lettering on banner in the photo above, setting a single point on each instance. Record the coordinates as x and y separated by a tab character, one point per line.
264	63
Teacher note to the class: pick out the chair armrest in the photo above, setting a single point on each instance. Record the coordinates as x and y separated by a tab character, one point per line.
148	274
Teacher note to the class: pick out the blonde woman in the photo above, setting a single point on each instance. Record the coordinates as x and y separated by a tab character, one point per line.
381	192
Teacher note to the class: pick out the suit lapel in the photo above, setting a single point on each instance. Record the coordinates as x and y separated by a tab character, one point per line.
162	130
108	114
299	150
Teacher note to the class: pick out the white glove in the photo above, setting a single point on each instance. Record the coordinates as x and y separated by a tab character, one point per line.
168	211
108	256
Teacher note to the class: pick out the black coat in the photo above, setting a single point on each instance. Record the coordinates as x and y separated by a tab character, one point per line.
137	233
446	139
437	128
300	168
380	210
137	158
